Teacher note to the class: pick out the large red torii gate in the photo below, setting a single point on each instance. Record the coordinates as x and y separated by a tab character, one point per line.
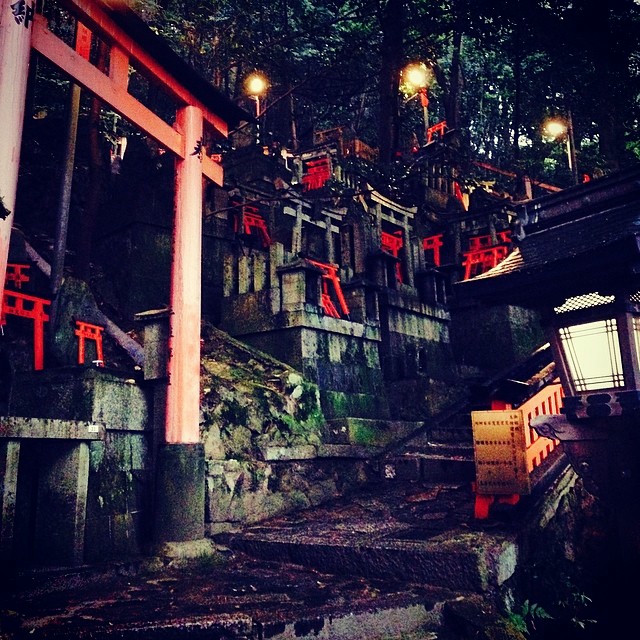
201	107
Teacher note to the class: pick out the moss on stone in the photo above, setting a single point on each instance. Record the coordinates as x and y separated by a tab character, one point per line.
234	413
364	434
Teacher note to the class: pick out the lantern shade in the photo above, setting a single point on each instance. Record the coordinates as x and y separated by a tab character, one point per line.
591	352
596	344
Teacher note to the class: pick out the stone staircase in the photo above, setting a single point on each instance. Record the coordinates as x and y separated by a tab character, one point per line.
402	558
440	451
414	525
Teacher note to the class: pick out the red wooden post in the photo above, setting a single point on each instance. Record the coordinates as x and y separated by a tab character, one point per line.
25	306
318	172
392	243
16	20
183	395
38	337
330	275
256	221
433	243
436	129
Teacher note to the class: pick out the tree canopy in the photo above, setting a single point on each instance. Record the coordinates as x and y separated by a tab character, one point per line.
501	69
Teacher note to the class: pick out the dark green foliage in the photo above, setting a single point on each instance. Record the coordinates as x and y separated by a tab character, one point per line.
519	63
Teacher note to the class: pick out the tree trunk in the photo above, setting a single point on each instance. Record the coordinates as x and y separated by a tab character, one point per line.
64	201
292	120
96	184
517	93
610	82
391	23
455	82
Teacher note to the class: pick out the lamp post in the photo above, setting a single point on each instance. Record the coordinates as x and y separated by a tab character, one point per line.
256	85
416	78
562	128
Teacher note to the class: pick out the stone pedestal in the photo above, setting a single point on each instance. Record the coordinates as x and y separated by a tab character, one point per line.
300	284
180	483
44	476
62	505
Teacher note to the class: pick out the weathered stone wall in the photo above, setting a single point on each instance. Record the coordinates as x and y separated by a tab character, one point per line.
493	338
119	484
341	357
119	493
417	338
262	428
563	556
416	356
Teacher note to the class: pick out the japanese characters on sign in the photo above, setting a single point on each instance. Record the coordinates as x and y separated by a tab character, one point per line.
500	452
23	13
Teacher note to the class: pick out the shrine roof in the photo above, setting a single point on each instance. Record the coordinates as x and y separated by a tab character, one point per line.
578	235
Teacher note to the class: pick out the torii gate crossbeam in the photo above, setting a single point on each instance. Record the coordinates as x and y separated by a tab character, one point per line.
200	105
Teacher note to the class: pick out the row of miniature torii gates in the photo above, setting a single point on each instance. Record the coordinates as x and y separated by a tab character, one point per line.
23	29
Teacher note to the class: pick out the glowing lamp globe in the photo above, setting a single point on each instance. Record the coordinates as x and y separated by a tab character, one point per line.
256	84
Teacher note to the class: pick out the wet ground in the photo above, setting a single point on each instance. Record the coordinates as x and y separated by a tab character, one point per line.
232	595
240	597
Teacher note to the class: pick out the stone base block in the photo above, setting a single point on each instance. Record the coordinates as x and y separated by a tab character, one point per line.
180	493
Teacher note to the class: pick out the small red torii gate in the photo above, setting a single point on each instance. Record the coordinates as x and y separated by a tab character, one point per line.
200	107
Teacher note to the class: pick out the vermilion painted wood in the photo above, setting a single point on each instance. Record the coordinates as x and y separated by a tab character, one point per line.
16	273
96	82
25	306
97	20
184	141
15	46
183	394
87	331
112	89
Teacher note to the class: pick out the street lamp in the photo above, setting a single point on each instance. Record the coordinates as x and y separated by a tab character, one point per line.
256	85
562	128
416	80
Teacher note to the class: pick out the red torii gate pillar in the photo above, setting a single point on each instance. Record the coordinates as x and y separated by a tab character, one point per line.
180	461
183	399
15	47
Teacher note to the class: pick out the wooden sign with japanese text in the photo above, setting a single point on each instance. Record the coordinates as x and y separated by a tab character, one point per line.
500	452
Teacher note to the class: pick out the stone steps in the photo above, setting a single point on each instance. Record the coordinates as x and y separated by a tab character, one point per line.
389	618
245	599
437	462
399	532
466	562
